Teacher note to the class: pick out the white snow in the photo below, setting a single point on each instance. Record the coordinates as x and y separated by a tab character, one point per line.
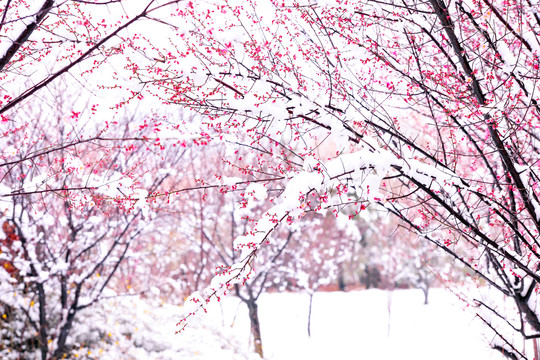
258	190
352	325
355	325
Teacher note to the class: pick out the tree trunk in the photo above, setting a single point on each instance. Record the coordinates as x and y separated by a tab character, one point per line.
368	277
64	332
43	322
425	290
255	326
341	282
309	313
389	308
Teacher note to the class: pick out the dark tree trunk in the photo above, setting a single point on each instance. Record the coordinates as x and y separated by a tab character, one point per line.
43	323
367	278
64	332
341	282
23	37
370	277
253	309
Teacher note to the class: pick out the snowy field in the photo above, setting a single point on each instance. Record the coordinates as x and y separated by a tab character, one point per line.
352	325
355	325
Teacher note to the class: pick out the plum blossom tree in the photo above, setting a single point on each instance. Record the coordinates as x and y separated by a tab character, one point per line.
70	218
428	110
429	107
75	180
213	216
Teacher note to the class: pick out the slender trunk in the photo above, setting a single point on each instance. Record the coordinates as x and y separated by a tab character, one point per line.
368	278
311	293
255	326
535	349
426	293
389	307
43	323
236	312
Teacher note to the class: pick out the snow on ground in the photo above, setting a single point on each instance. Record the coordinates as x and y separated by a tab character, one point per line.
129	328
352	325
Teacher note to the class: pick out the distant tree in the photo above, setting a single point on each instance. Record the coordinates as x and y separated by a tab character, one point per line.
323	246
79	179
392	257
212	218
70	218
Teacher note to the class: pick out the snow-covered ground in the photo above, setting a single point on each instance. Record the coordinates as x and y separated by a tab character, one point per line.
352	325
355	325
